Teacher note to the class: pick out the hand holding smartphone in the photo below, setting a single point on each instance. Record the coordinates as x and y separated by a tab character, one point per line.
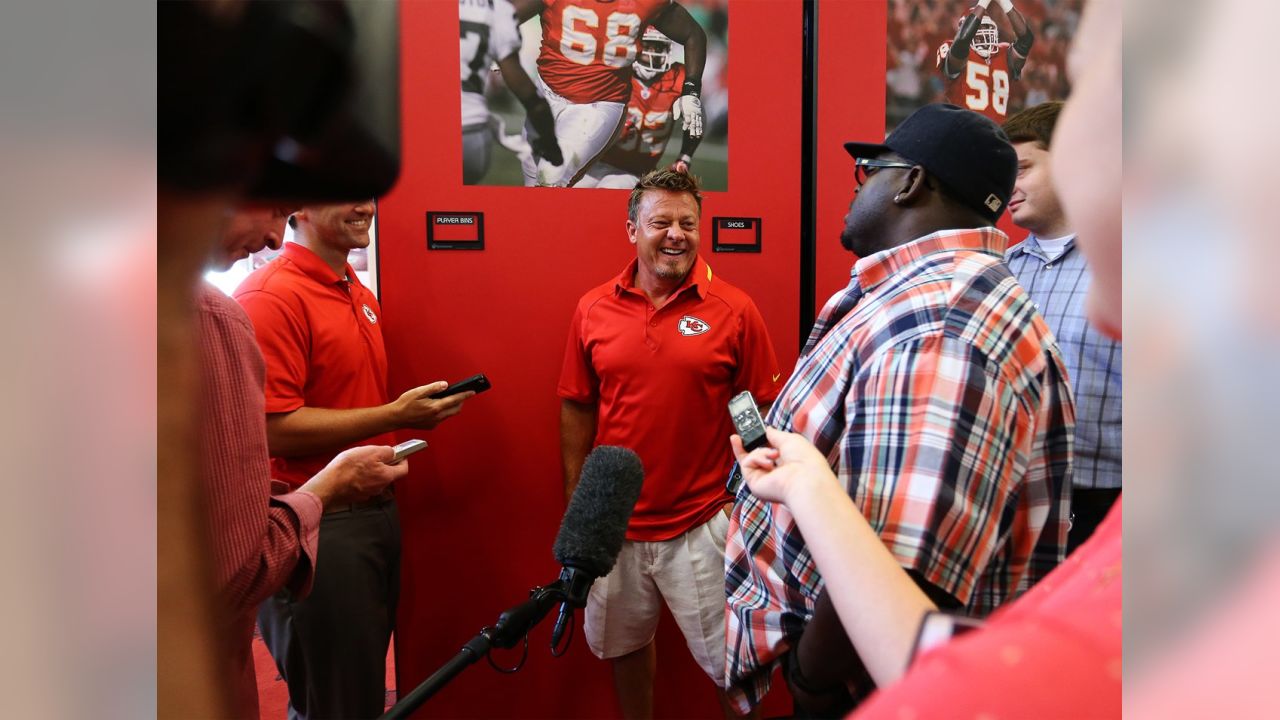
407	448
477	383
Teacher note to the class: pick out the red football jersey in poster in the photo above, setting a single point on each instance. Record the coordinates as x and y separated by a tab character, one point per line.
648	126
588	46
984	83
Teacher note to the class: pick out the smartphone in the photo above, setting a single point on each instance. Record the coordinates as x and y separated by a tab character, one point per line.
747	421
479	383
407	448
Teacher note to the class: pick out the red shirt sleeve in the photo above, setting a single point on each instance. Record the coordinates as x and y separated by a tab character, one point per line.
296	517
578	381
757	362
260	542
284	340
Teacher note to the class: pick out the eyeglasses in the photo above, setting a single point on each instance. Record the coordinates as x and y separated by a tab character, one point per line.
863	167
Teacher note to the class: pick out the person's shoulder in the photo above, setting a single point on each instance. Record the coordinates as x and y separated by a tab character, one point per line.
220	309
1016	249
978	274
736	301
271	277
275	284
986	295
730	294
213	301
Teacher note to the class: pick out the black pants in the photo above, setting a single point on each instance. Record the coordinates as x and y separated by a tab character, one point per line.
1088	509
331	647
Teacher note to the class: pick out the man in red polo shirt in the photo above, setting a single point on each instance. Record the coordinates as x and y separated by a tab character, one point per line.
326	389
653	357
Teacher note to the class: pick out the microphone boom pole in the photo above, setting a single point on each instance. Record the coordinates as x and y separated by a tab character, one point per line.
512	626
591	535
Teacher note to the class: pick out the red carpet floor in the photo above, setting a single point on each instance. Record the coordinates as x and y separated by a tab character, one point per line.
273	696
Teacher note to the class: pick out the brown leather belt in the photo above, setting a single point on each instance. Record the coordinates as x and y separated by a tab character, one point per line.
378	500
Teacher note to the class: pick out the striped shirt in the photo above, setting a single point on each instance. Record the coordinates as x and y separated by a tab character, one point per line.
1058	286
937	394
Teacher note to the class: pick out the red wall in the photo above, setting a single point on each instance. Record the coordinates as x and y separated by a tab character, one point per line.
481	507
851	68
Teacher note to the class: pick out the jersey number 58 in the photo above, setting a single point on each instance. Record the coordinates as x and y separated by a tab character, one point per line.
996	94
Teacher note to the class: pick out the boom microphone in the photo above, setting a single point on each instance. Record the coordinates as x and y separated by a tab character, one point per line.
595	525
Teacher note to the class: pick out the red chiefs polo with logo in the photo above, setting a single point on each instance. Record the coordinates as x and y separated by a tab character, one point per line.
662	380
321	337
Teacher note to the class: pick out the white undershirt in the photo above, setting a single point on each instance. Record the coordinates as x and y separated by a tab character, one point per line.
1054	247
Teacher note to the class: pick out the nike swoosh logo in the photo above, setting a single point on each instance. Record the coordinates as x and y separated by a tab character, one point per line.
775	377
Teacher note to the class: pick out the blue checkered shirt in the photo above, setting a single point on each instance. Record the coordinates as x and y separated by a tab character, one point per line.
1058	288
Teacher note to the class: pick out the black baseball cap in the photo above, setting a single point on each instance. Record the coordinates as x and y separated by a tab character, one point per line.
964	150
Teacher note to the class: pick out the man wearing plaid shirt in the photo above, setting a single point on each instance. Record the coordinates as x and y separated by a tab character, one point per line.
938	395
1056	277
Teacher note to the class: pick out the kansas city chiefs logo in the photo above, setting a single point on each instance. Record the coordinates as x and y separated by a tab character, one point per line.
690	326
373	319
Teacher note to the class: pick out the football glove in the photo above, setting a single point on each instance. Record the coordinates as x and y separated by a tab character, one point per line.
688	109
542	139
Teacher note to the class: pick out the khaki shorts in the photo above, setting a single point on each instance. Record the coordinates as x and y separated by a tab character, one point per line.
688	573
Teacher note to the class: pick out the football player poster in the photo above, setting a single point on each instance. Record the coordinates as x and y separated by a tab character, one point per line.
1016	57
610	91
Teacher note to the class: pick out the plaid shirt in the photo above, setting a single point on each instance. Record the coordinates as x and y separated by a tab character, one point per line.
937	394
1058	288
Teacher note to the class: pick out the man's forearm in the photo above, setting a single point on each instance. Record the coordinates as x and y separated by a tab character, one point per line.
517	80
1022	42
688	145
311	431
577	433
958	55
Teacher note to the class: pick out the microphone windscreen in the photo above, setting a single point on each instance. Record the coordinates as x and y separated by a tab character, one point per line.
595	523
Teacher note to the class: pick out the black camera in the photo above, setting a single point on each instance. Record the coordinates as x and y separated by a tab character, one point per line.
279	99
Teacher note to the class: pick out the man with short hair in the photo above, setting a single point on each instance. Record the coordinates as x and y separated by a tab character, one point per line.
326	389
262	540
937	394
653	357
1057	278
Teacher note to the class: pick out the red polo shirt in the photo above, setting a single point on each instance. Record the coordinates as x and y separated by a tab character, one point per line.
662	380
321	338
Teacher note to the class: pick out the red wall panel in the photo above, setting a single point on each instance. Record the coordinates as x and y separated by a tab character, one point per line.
851	69
481	507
